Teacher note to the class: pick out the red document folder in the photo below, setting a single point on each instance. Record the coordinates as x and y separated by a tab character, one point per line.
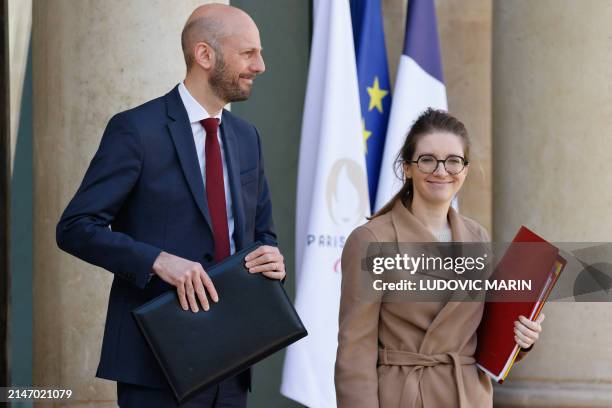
528	257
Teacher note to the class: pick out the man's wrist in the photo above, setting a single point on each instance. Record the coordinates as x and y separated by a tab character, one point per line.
157	264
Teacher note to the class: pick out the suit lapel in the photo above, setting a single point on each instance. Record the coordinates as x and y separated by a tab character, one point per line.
182	137
232	158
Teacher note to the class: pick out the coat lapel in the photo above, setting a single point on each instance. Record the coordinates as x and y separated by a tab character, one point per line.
182	137
458	303
409	229
232	158
458	228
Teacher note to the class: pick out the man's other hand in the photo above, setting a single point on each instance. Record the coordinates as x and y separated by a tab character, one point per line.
189	278
266	260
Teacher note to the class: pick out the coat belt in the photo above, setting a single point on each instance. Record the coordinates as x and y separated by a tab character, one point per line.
419	361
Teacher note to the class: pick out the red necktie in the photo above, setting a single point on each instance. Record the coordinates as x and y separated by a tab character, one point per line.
215	191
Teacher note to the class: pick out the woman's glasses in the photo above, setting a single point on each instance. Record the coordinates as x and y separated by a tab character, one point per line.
428	164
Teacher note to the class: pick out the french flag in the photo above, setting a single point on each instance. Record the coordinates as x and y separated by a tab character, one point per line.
419	85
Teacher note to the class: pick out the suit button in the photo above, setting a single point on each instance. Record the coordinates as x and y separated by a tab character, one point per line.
208	257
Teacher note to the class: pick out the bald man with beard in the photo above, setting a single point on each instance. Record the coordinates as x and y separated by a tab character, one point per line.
177	185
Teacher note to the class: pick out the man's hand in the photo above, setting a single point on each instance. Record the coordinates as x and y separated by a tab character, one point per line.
266	260
188	277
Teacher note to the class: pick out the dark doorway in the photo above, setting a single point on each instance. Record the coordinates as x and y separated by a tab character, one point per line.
5	150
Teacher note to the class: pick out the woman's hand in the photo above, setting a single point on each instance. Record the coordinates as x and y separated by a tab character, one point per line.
526	332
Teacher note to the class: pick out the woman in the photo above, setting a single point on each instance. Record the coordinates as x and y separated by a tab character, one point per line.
416	354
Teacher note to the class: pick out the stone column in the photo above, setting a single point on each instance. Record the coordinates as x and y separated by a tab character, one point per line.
91	59
465	39
20	26
552	120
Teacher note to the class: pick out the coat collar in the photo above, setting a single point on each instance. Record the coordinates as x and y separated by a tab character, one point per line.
409	228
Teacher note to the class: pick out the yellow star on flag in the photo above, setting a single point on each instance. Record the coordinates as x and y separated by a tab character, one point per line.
366	135
376	96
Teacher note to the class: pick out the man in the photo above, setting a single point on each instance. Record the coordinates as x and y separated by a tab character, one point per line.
180	182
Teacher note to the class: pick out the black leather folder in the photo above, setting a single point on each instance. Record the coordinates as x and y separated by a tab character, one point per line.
253	319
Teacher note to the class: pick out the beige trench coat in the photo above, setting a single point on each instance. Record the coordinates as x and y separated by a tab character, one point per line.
406	354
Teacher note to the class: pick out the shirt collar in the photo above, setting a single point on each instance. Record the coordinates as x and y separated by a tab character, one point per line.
195	111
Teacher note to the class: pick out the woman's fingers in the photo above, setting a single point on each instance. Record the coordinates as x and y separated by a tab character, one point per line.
527	332
524	330
521	342
535	326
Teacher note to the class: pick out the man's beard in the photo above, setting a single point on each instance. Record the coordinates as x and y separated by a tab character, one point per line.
224	84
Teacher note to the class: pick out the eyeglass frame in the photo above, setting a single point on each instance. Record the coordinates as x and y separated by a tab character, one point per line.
438	161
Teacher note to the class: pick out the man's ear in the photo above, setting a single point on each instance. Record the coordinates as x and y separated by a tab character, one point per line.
204	55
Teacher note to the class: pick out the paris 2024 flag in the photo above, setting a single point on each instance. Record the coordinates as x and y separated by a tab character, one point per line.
419	85
332	199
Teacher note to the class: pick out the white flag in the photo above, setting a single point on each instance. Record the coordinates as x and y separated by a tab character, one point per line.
332	199
419	85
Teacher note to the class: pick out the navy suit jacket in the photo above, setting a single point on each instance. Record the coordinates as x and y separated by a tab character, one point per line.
143	193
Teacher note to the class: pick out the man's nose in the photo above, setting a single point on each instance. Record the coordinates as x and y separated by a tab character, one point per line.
258	65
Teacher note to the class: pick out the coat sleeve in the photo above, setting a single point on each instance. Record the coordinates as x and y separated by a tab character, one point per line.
84	227
356	376
264	226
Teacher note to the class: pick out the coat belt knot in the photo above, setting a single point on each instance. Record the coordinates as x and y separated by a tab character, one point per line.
418	362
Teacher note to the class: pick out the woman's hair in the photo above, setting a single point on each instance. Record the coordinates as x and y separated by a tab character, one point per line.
430	121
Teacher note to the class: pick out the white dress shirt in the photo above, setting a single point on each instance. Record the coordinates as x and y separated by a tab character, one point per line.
196	113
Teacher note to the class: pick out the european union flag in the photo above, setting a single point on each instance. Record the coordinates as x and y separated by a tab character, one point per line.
374	87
